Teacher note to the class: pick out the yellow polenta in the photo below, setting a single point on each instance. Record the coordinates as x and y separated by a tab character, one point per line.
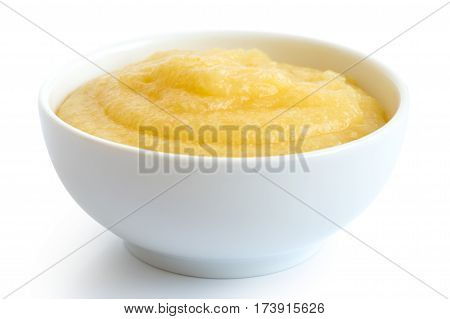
222	103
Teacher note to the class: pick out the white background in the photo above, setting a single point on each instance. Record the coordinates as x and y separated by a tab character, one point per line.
409	221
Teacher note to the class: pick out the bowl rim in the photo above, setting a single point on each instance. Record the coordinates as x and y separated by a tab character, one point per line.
48	87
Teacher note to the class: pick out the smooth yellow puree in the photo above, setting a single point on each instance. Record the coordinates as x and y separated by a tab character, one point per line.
222	103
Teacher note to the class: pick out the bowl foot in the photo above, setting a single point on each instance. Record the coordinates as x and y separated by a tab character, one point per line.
222	268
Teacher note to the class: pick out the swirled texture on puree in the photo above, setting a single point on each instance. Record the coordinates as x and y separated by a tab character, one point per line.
224	96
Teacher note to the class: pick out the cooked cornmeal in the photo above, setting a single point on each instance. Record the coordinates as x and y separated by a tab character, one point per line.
222	103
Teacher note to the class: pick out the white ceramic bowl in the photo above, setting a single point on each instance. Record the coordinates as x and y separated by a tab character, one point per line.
224	225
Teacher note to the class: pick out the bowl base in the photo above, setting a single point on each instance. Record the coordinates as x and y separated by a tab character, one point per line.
222	268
